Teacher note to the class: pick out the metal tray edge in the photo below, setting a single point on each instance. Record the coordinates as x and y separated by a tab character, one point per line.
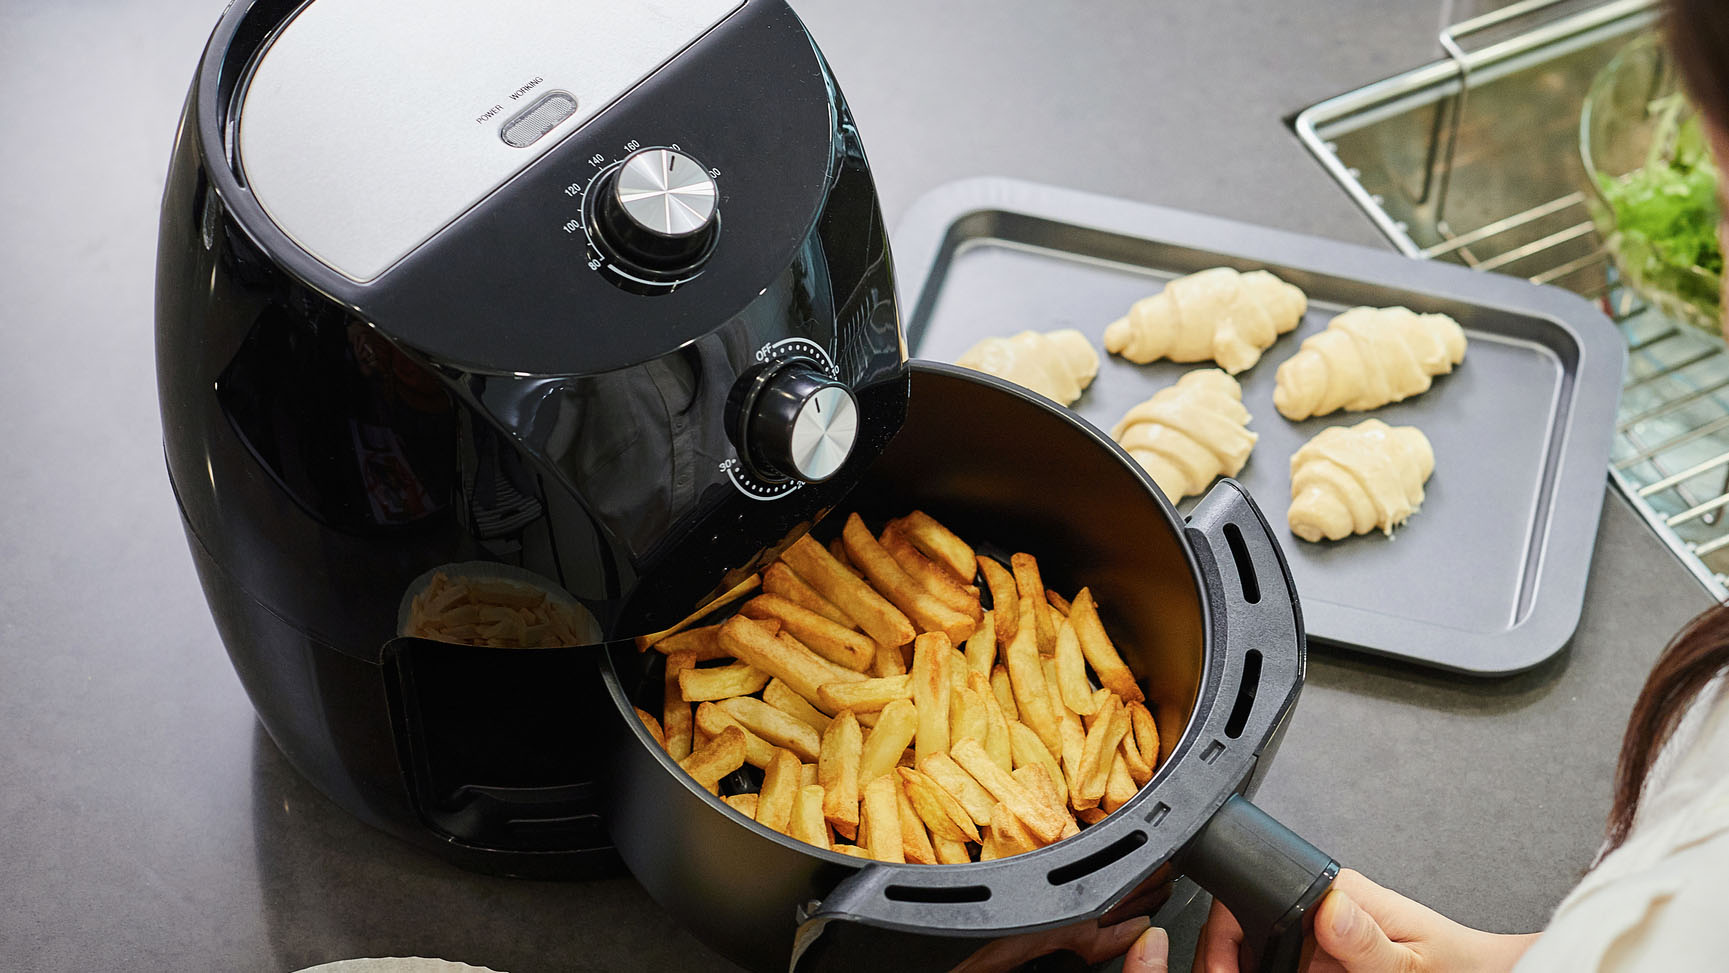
920	240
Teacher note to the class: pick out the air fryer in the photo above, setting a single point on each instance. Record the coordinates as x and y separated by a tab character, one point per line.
587	302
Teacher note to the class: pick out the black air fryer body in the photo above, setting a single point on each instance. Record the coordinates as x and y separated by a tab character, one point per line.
539	387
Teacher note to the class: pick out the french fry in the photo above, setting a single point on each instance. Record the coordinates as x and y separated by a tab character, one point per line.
939	543
895	728
837	772
1100	697
652	725
915	840
1091	815
778	579
880	620
930	691
1003	688
982	646
1013	836
721	682
775	726
1032	587
853	851
715	759
1074	751
1102	739
902	591
989	849
1071	731
888	661
1146	732
1005	599
940	811
865	696
806	823
1038	782
744	804
781	697
880	820
1029	751
1119	786
1139	770
1027	675
1072	671
967	716
779	790
837	550
1100	653
745	587
806	775
1044	823
957	669
950	852
803	672
675	712
698	739
937	581
1058	603
960	785
997	742
701	643
714	721
835	642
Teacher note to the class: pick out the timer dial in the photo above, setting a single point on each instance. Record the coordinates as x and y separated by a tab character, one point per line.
799	425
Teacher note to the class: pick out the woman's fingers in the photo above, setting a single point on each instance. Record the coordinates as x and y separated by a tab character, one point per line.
1109	942
1151	953
1353	937
1216	950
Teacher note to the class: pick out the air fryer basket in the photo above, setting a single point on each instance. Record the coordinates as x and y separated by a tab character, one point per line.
1203	613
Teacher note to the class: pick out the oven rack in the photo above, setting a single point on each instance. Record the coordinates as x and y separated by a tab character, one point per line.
1402	148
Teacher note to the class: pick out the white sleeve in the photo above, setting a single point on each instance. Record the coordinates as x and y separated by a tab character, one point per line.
1664	906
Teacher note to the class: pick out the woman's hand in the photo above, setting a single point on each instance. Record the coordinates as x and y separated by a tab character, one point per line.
1361	927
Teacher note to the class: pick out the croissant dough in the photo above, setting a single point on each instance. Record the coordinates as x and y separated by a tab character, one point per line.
1366	358
1058	365
1189	433
1216	314
1352	479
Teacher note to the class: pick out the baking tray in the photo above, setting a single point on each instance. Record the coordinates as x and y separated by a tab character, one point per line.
1489	577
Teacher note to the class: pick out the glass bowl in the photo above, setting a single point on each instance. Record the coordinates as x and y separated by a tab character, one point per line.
1654	184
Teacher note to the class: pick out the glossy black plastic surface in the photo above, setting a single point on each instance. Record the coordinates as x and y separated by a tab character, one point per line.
493	405
1010	472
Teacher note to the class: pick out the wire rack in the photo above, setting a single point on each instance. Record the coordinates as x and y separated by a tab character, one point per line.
1436	157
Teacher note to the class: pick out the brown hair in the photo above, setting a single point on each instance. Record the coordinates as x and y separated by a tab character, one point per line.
1698	34
1692	659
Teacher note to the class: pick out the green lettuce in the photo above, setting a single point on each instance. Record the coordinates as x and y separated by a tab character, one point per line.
1666	213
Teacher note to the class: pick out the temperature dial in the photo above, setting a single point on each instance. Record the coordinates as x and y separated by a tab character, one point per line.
655	214
800	424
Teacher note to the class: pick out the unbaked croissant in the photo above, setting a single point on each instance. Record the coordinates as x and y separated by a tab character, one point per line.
1216	314
1352	479
1058	365
1189	433
1366	358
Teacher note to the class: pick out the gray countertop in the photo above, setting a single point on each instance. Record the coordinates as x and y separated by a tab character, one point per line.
149	824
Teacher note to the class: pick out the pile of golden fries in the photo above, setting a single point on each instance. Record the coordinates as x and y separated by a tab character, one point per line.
991	740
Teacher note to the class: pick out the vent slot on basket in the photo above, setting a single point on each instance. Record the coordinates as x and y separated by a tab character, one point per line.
1108	855
938	894
1245	694
1245	567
